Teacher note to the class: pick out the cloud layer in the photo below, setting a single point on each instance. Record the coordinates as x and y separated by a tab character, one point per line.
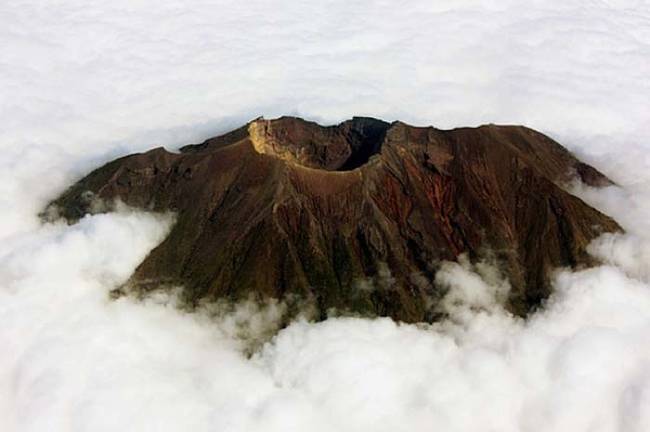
83	82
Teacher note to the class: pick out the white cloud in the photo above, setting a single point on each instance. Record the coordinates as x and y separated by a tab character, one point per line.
85	81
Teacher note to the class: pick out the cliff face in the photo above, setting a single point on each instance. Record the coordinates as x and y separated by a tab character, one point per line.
287	208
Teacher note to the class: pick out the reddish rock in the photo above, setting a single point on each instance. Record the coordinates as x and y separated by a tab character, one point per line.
286	208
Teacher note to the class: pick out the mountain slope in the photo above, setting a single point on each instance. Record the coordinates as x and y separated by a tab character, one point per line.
355	216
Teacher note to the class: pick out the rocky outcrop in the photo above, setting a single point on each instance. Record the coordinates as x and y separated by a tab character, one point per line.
355	216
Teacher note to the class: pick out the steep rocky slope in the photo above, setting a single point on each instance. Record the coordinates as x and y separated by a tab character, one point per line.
355	216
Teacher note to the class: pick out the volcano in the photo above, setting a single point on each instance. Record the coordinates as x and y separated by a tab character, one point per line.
352	217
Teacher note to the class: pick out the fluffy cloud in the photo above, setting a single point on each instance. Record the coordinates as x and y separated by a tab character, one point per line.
83	82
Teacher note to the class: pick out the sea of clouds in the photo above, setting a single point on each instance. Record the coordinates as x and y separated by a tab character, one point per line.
83	81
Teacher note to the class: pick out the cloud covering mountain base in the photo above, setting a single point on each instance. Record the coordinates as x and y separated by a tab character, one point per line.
84	82
76	360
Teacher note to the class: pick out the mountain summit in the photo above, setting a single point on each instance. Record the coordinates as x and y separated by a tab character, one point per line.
353	217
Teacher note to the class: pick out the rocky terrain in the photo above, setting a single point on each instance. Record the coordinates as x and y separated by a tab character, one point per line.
355	217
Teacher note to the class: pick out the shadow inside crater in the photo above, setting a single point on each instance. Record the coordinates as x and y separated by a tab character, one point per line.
365	136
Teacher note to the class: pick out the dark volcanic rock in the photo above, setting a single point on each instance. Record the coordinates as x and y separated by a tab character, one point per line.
286	207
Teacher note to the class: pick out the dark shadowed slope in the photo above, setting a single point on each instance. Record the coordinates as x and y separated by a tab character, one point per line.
287	208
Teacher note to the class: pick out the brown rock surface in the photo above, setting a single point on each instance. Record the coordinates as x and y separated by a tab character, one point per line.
287	208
